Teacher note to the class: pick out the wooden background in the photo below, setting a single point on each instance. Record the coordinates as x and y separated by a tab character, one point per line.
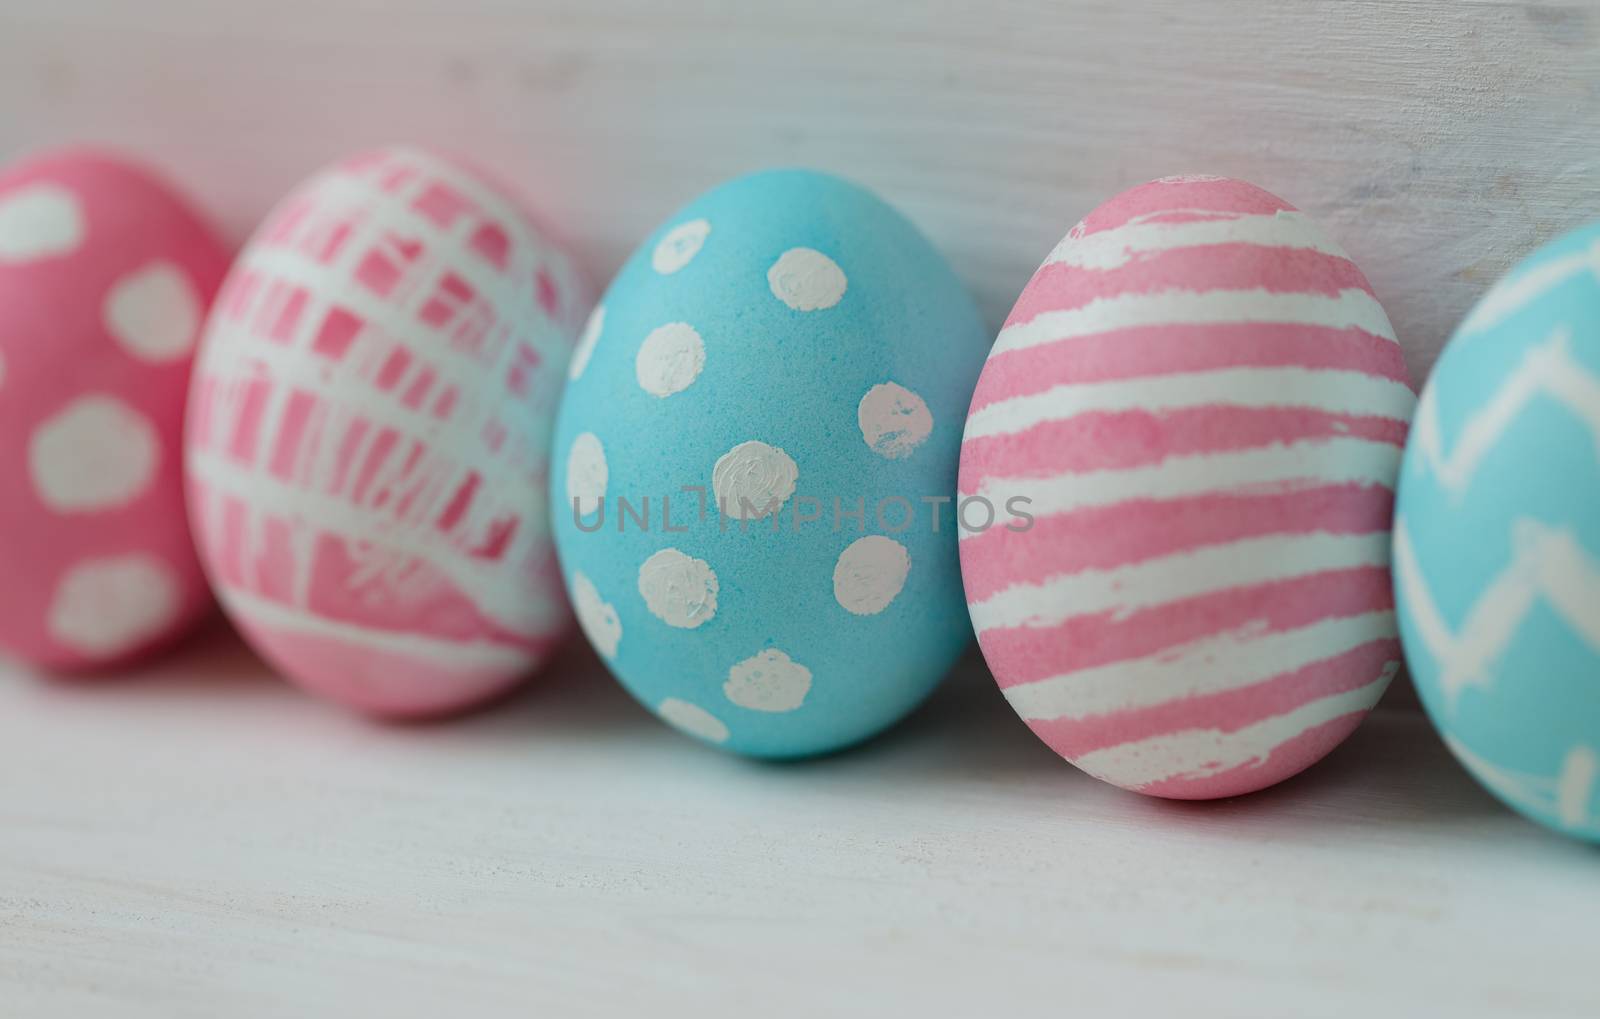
1438	140
200	841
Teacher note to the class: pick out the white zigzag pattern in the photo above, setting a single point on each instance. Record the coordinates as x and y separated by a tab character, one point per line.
1547	370
1514	293
1546	562
1566	796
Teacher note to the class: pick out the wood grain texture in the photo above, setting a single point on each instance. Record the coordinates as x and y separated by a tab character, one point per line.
1437	140
200	840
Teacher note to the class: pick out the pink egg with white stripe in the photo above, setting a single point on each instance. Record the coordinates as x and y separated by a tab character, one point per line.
369	424
105	274
1201	405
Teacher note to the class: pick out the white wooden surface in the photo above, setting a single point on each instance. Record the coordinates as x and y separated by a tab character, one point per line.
1438	140
199	840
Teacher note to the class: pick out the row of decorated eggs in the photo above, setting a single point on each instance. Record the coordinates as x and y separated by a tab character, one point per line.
790	476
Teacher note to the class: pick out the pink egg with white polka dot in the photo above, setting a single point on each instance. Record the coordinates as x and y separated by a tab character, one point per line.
369	430
105	275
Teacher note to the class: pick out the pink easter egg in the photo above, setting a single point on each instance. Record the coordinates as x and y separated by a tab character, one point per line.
1202	407
105	275
368	431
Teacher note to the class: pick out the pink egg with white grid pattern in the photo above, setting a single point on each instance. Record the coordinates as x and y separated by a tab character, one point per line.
1202	407
105	274
369	422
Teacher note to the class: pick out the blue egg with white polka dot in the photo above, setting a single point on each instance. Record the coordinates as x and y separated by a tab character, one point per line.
755	466
1497	539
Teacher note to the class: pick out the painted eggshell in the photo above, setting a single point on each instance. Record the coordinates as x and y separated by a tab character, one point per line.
105	274
1203	406
1497	539
784	352
369	432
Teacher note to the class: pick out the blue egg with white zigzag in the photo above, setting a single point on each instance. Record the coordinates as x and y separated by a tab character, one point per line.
1497	539
755	464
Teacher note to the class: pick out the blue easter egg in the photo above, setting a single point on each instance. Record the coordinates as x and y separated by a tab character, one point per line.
754	465
1497	539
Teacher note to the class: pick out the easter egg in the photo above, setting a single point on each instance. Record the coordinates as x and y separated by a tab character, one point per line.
1497	539
105	275
755	460
1200	407
369	430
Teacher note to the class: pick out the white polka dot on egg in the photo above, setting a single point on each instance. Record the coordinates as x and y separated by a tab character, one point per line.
587	474
586	341
752	480
596	617
870	574
96	453
694	720
105	277
678	589
678	248
768	681
38	221
807	280
103	607
153	312
670	359
894	421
